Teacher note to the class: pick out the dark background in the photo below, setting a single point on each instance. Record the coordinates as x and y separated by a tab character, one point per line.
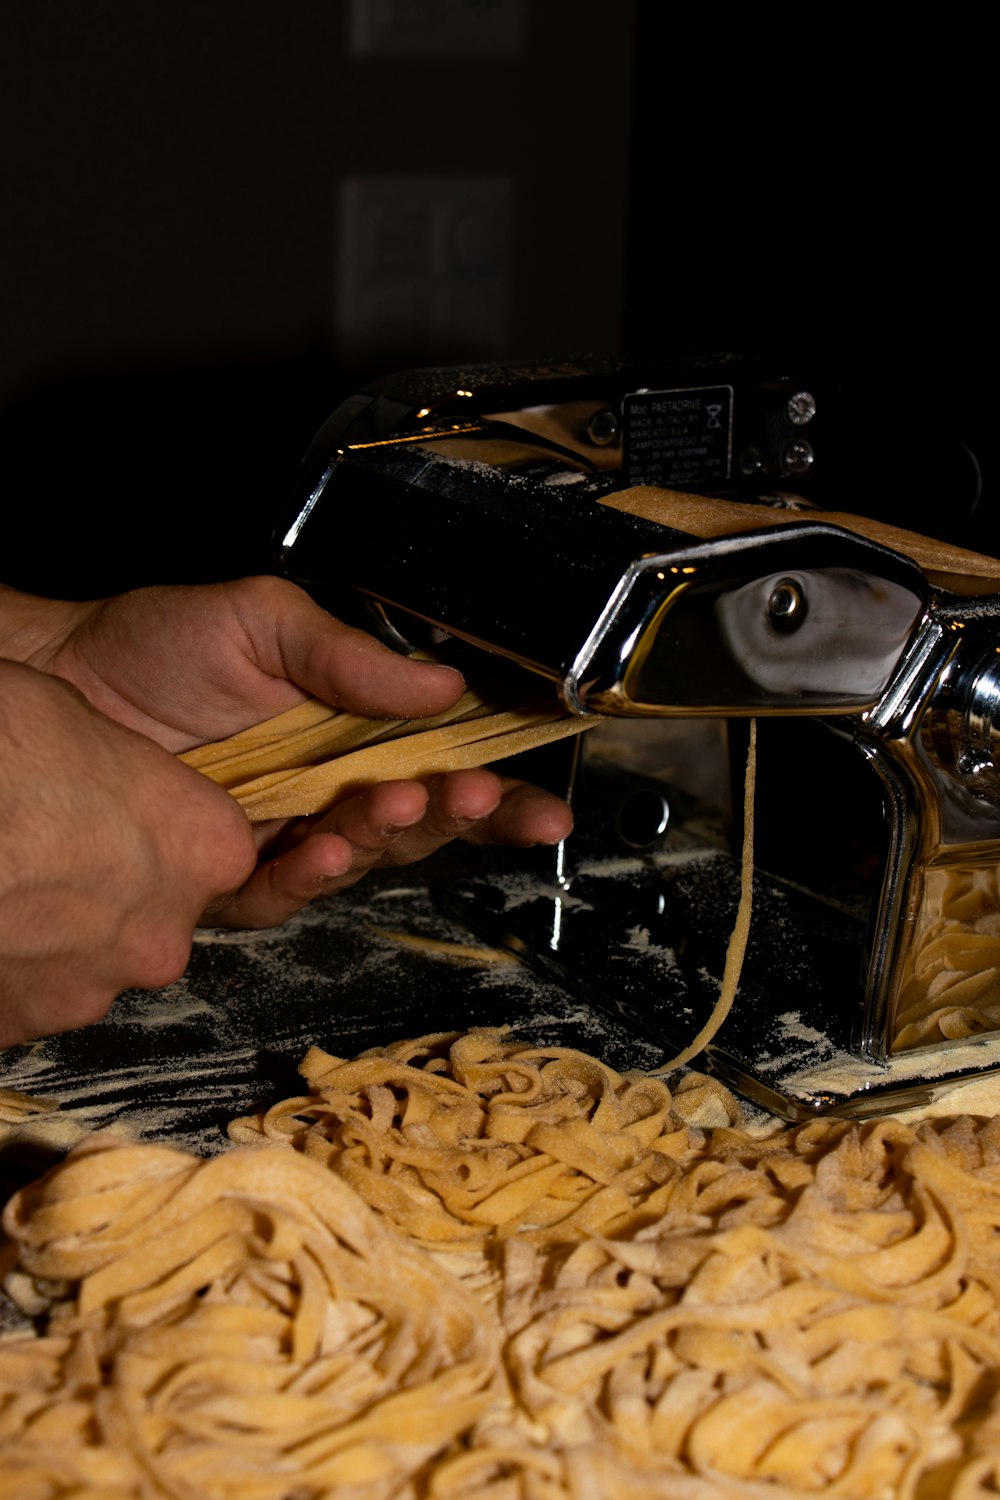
174	324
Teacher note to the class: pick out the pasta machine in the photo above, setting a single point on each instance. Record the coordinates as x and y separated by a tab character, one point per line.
673	549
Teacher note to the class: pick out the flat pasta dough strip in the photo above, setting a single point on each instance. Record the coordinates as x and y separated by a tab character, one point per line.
302	719
442	948
16	1107
451	748
955	568
303	761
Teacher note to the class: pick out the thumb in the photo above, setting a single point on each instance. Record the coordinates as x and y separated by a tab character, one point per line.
349	668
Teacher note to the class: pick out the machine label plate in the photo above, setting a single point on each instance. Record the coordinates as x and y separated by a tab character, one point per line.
679	438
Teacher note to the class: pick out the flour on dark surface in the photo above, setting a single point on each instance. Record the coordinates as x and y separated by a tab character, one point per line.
177	1064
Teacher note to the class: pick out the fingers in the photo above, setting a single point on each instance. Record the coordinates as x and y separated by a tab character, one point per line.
399	822
358	673
395	823
321	858
480	807
280	887
525	816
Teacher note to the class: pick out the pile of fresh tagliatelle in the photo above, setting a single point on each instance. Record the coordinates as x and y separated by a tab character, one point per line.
465	1268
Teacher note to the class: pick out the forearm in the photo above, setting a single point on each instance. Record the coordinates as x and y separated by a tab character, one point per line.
32	628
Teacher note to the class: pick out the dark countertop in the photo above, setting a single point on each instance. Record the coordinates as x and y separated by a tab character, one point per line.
177	1064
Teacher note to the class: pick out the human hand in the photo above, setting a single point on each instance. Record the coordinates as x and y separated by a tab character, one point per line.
189	665
110	849
392	824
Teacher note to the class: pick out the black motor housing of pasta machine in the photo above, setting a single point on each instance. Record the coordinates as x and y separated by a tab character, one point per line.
648	540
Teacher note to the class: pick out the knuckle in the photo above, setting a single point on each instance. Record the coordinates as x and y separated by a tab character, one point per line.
238	860
268	593
162	961
217	843
91	1007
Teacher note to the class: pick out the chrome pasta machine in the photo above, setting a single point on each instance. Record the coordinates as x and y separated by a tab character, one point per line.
678	550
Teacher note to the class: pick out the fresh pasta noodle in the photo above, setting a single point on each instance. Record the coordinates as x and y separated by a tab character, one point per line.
814	1310
16	1107
465	1268
818	1316
737	946
427	753
309	733
443	948
951	977
305	760
460	1140
237	1327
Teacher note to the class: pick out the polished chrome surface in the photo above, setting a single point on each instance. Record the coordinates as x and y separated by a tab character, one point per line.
754	624
981	761
801	408
798	457
603	427
962	726
933	738
816	631
787	607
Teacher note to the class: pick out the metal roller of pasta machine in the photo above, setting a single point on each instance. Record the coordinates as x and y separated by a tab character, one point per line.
492	504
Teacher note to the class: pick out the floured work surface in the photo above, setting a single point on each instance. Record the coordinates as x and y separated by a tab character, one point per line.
383	962
178	1063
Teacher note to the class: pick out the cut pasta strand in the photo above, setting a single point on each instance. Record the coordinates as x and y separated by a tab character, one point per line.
254	1332
15	1106
467	1268
428	753
737	946
305	760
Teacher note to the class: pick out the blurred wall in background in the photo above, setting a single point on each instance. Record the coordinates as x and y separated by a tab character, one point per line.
223	215
818	182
